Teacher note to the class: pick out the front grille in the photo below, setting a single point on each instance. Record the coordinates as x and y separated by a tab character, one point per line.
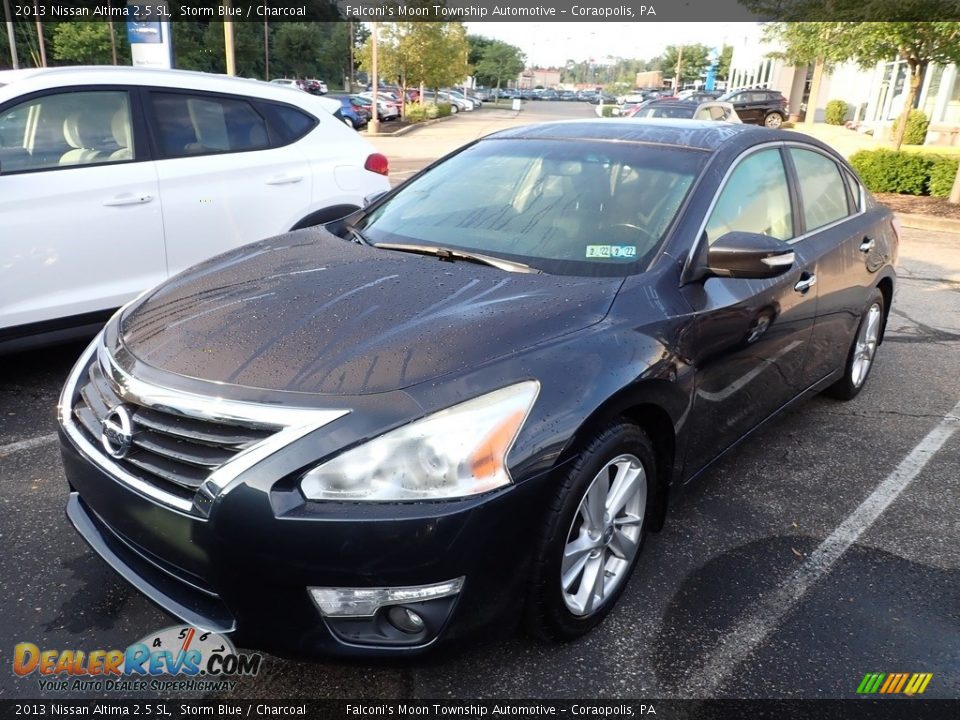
171	452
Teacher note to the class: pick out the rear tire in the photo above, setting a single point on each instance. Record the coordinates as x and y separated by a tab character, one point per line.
863	350
592	535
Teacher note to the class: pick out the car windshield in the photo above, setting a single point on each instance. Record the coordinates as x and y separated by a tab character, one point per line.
561	206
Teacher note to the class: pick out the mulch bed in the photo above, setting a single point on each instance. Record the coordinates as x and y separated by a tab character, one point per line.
919	205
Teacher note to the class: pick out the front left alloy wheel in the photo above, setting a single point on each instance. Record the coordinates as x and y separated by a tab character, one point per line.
593	534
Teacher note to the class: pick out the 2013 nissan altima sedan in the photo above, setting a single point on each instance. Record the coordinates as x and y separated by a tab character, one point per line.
469	402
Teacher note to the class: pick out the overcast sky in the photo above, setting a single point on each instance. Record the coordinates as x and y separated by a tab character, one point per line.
553	43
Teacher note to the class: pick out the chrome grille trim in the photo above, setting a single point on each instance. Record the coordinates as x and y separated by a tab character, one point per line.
186	440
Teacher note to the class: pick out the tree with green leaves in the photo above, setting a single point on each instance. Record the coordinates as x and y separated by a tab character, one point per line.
425	54
500	61
695	61
723	62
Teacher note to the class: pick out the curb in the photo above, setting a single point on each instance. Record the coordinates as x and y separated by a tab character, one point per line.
410	128
929	222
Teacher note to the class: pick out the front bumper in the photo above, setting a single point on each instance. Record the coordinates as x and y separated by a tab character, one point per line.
245	569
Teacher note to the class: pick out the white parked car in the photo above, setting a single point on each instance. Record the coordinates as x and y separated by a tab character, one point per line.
112	179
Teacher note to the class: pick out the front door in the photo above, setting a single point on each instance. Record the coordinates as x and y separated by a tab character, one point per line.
752	335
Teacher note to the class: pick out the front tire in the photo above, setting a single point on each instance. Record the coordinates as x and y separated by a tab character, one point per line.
862	352
593	534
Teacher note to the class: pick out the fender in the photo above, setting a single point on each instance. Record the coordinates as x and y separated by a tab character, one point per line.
328	214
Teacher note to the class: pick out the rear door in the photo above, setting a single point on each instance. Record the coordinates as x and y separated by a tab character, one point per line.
224	177
81	225
848	244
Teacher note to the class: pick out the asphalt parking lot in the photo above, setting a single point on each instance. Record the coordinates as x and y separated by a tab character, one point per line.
824	548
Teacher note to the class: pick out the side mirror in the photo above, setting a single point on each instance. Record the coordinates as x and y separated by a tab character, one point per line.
749	255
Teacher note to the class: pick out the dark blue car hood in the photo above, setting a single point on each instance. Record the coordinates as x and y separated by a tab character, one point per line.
309	312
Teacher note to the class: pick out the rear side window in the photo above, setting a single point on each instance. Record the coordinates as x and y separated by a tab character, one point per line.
66	129
287	124
205	124
856	193
755	199
821	187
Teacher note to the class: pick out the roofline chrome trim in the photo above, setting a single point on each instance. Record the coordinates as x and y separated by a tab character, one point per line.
688	262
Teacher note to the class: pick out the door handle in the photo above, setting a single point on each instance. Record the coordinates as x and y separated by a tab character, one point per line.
284	179
804	284
867	245
128	199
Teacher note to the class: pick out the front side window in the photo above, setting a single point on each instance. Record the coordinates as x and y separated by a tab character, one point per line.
66	129
206	124
821	187
563	207
755	199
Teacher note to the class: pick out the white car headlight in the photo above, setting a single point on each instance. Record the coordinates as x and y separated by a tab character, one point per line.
453	453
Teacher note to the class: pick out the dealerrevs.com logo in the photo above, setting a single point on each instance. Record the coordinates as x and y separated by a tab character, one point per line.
176	659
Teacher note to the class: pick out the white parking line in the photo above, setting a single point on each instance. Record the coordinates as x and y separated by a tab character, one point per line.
753	629
27	444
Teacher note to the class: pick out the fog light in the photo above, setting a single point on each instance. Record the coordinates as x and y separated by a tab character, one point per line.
364	602
405	619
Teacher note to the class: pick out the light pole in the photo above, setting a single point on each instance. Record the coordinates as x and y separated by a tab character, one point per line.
228	41
374	71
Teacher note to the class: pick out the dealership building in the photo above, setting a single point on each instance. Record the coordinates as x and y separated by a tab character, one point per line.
875	95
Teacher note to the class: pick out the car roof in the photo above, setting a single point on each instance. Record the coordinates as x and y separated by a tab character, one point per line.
27	80
705	135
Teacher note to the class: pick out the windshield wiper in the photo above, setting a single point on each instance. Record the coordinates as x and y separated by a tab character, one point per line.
449	254
358	237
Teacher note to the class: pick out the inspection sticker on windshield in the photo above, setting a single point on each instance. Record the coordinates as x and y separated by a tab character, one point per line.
611	251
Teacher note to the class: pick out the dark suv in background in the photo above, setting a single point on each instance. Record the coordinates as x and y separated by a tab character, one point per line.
758	106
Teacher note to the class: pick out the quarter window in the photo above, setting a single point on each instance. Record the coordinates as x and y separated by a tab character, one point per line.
755	199
821	187
204	124
66	129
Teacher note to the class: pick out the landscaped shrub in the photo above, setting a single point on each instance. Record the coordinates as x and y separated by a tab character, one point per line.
836	112
608	110
443	109
416	113
917	124
943	170
909	173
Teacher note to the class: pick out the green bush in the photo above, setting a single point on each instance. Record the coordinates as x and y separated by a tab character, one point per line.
443	109
836	112
943	170
416	113
908	173
607	110
917	124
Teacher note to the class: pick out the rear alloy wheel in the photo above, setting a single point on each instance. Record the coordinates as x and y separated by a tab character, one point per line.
862	352
773	120
593	535
349	123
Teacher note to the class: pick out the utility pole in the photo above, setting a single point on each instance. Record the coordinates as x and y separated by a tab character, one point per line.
228	42
676	79
374	70
43	45
350	73
266	49
10	36
113	42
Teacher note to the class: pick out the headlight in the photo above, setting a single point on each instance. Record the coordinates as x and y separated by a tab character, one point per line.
453	453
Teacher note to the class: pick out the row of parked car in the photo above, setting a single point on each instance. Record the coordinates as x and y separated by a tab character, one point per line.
755	106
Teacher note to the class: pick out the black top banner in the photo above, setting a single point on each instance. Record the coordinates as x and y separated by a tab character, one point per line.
491	11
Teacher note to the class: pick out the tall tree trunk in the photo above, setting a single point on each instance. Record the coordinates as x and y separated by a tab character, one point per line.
814	97
11	38
916	78
113	42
